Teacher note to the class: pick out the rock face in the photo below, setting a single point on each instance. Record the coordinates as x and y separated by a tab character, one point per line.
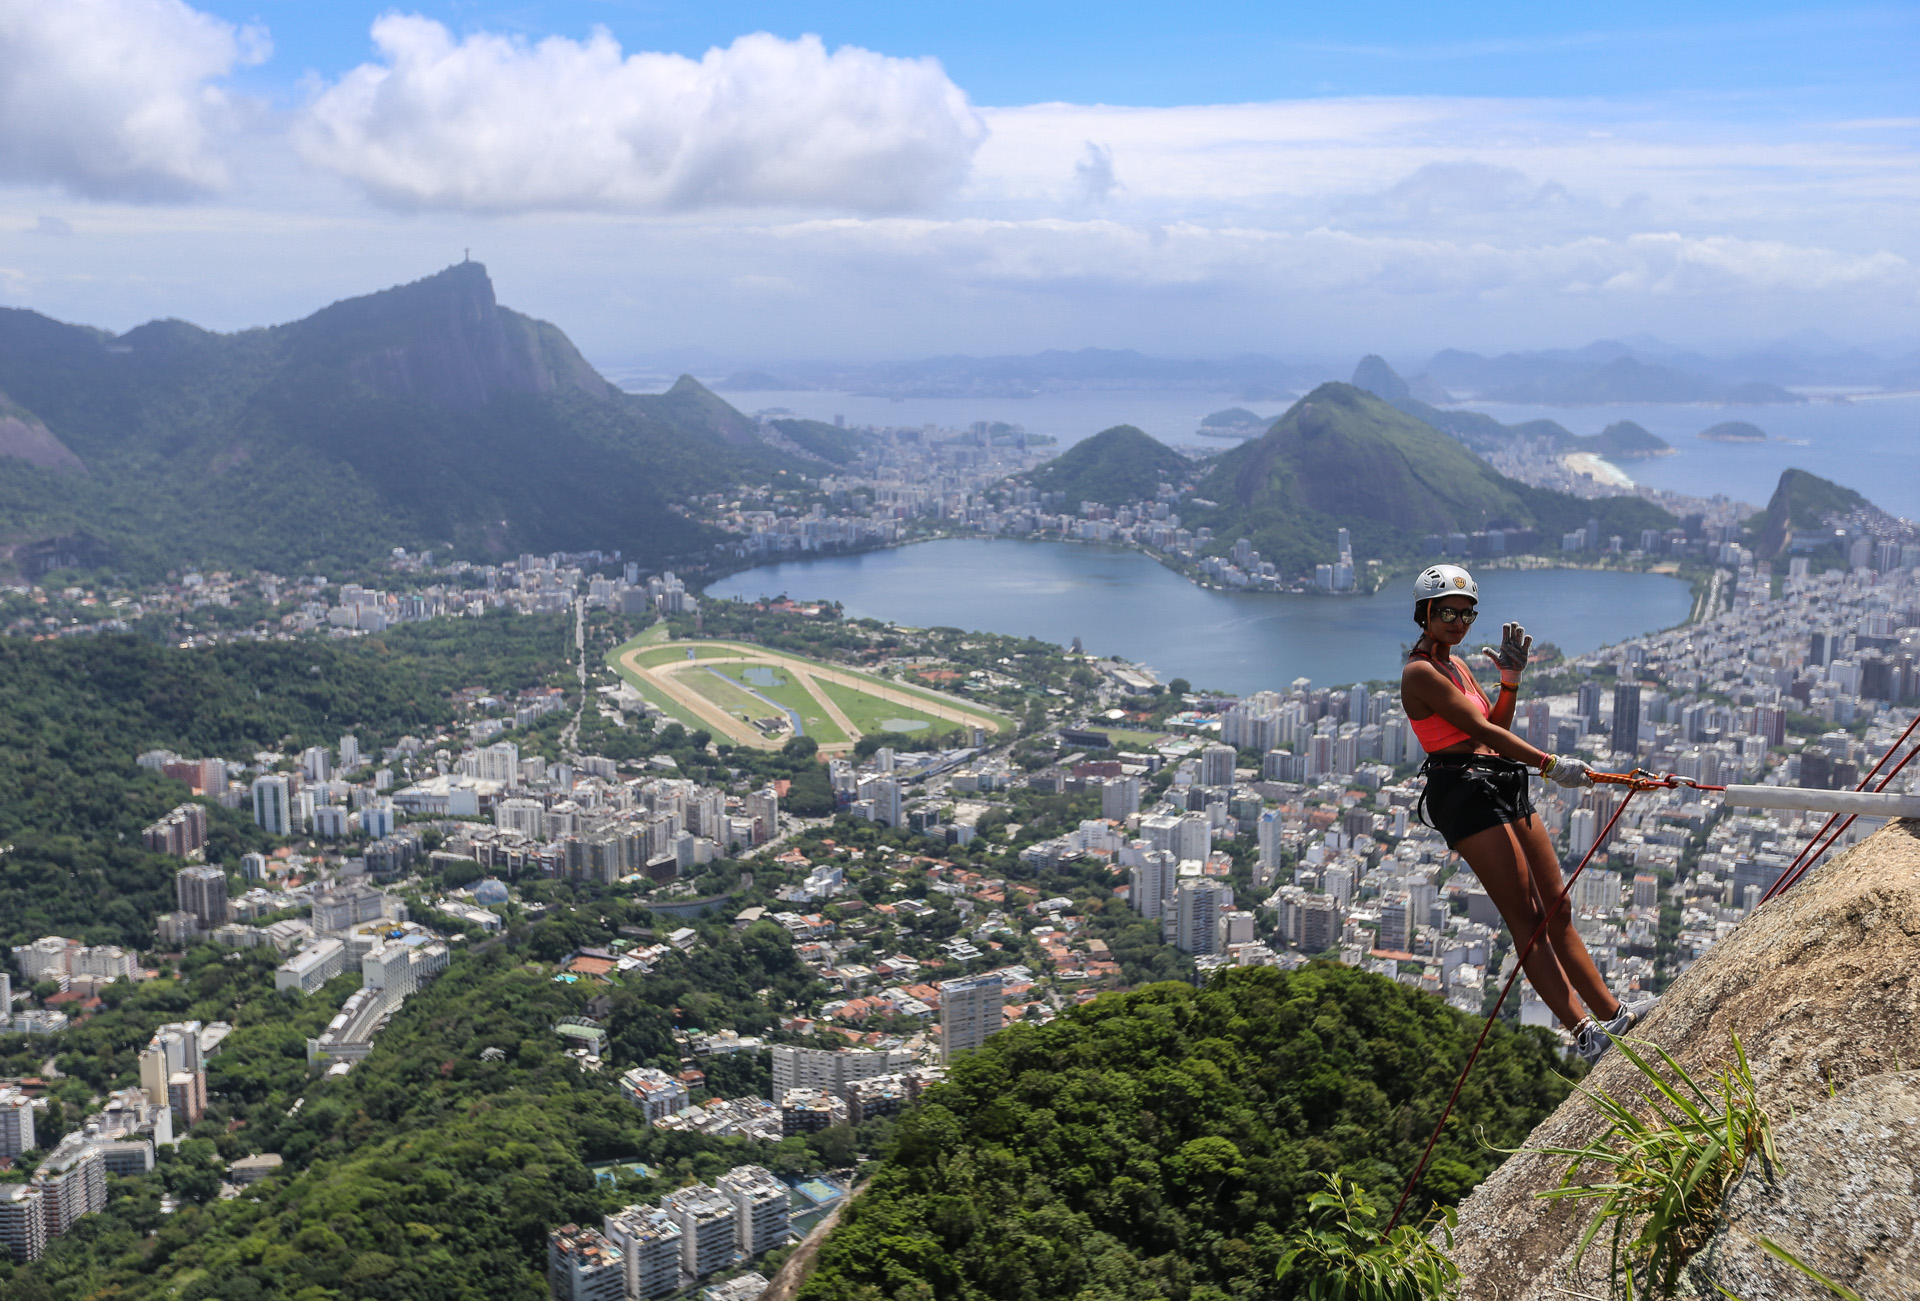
444	341
1823	987
24	436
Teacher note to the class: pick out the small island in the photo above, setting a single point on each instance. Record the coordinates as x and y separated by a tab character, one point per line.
1234	422
1734	431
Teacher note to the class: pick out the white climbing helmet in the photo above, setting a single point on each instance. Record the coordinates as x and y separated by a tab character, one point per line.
1445	580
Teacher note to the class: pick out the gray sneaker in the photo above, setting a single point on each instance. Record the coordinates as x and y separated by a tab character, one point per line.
1588	1041
1624	1021
1594	1037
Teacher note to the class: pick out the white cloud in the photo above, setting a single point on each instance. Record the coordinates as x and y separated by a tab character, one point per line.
493	124
1330	259
115	98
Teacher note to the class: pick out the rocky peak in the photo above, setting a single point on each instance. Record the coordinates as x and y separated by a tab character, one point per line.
1823	987
443	340
1378	378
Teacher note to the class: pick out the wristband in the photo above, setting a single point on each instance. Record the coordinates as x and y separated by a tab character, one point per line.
1546	764
1514	687
1510	679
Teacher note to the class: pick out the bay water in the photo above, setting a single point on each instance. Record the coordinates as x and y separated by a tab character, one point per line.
1121	602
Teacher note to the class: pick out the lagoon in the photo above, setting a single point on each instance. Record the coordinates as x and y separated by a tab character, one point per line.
1121	602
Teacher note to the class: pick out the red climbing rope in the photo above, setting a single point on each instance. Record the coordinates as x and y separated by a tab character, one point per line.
1799	868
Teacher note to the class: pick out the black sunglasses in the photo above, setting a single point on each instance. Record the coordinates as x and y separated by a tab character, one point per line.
1447	614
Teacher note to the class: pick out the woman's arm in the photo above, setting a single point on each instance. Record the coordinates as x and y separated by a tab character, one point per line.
1503	702
1510	659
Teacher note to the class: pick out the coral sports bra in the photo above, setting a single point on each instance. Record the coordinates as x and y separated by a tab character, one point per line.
1435	732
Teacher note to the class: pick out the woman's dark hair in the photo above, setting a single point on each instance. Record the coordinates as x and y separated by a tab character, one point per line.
1420	611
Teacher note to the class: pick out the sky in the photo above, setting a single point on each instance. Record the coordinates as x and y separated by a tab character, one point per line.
757	182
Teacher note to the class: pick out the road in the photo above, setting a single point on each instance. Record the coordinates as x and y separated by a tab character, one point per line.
570	735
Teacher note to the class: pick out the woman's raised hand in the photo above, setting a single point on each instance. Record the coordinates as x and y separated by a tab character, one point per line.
1511	658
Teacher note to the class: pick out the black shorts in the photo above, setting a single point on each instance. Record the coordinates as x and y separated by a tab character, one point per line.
1466	794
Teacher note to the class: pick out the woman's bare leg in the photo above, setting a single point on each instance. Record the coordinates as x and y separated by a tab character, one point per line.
1499	860
1575	961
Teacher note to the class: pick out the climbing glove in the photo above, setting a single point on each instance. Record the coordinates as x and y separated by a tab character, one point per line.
1511	658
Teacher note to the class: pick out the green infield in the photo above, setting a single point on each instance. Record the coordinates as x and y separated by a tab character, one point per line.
723	693
781	685
869	713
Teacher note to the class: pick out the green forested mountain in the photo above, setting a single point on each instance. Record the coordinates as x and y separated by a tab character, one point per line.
422	415
1342	457
1121	464
1161	1143
72	801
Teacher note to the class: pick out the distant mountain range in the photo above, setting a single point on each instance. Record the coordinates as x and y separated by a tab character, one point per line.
1609	371
1578	381
425	415
1623	440
1341	457
1254	378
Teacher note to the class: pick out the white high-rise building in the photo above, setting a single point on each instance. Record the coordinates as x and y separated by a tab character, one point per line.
1216	765
23	1223
272	805
885	794
1197	908
709	1228
1152	882
48	958
73	1182
760	1207
1160	831
970	1010
349	753
202	891
1193	839
833	1069
650	1240
499	762
1269	830
16	1122
316	763
1235	928
1120	797
582	1265
1583	825
1396	922
763	809
377	818
520	814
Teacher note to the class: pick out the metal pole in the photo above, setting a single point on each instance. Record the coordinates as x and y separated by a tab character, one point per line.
1871	804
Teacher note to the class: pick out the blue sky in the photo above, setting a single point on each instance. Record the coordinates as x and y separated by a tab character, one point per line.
995	177
1856	58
